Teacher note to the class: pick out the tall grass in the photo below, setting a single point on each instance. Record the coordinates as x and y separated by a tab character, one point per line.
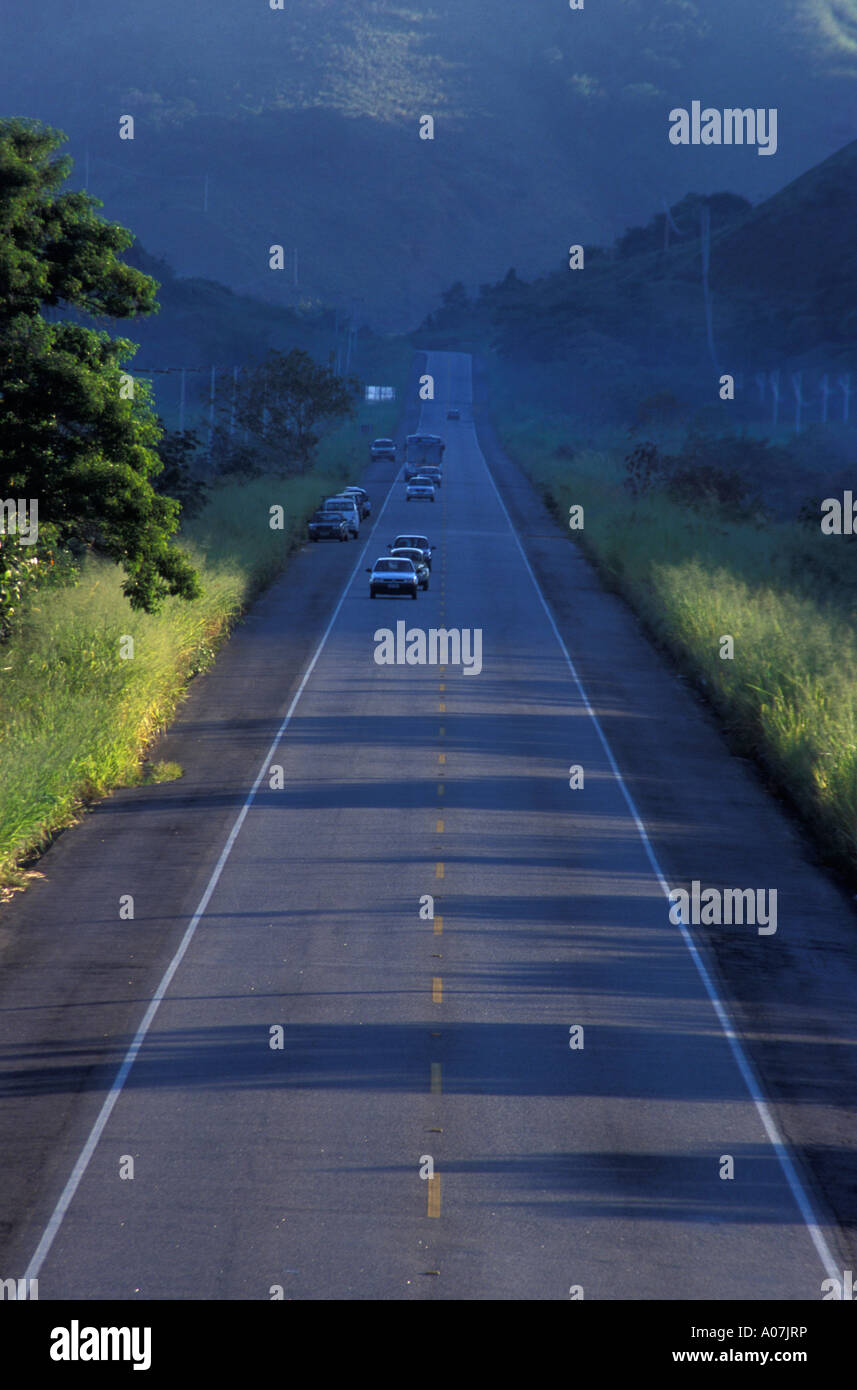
75	717
789	696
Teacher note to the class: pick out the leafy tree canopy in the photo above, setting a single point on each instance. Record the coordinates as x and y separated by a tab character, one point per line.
280	405
76	432
684	222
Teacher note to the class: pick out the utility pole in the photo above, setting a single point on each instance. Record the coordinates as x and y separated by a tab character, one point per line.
845	387
211	413
234	393
181	402
705	233
796	387
775	392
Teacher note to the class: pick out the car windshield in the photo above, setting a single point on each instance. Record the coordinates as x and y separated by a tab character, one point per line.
410	543
382	441
396	565
329	516
415	555
338	502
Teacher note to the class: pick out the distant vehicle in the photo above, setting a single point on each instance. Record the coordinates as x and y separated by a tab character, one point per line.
327	526
422	449
393	575
348	507
453	415
362	498
422	569
414	542
420	492
434	475
383	449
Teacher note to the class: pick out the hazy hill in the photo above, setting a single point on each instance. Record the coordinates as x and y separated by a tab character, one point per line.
783	287
202	324
300	126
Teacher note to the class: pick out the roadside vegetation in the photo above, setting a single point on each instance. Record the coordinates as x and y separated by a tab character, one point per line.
127	551
75	717
677	529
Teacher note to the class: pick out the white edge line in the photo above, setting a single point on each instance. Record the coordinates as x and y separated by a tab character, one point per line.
68	1192
744	1065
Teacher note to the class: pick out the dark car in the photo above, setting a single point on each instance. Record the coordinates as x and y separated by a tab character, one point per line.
453	415
422	569
384	449
410	541
393	575
327	526
433	475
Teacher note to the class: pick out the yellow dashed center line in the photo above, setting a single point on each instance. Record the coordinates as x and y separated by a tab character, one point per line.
437	989
438	926
438	830
441	709
441	757
433	1184
438	871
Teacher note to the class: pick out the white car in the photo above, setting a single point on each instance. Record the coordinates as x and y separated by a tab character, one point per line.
420	492
349	508
393	575
361	497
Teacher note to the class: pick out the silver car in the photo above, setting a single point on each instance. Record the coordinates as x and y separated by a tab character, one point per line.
422	569
383	449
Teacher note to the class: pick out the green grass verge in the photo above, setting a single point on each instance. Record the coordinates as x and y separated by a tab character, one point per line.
75	717
789	696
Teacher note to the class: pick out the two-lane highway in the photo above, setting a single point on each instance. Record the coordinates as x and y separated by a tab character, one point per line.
545	1037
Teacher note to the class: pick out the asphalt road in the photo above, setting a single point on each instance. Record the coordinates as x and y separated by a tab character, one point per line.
403	1037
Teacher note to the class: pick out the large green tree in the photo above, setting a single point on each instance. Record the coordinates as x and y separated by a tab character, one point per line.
77	432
